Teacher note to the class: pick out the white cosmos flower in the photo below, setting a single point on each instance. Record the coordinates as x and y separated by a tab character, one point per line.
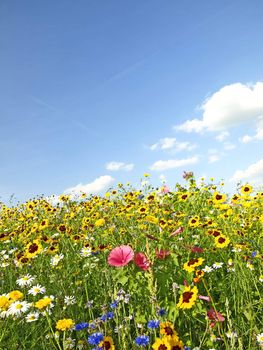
18	307
25	280
32	317
85	252
37	289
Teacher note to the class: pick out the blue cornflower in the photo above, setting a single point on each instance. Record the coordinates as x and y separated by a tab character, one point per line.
186	348
254	254
95	338
153	324
142	340
161	312
80	326
108	316
114	304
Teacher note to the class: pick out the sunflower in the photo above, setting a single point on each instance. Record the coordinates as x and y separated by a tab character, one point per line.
183	196
161	344
142	210
190	265
107	344
221	241
33	248
188	298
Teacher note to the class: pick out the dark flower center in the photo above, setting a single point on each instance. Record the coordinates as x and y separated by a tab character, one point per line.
187	296
33	248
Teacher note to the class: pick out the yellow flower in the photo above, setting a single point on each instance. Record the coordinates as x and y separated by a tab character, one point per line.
65	324
43	224
16	295
192	264
218	197
107	343
194	222
188	298
246	189
161	344
151	219
167	329
99	222
33	248
4	302
221	241
43	303
176	344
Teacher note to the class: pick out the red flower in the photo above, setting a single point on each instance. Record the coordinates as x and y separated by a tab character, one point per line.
162	253
196	249
214	316
141	261
120	256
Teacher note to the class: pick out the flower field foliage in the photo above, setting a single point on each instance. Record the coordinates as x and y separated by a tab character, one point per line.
155	268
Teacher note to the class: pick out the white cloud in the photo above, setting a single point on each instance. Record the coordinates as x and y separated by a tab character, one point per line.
258	135
232	105
253	174
170	143
222	136
116	166
96	186
173	163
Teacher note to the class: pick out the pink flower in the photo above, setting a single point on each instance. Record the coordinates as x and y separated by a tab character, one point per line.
165	189
141	261
203	297
177	232
120	256
162	253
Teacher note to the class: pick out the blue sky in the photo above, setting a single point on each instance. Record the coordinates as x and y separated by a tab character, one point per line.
93	93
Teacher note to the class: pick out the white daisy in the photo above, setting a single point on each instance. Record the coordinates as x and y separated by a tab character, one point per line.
25	280
260	339
37	289
18	307
56	259
85	252
69	300
32	317
217	265
207	269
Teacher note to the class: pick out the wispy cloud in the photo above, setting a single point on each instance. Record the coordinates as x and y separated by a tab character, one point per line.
116	166
253	173
171	143
161	165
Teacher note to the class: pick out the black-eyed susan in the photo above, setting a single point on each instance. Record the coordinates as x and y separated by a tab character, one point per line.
188	298
107	344
194	221
219	197
183	196
43	224
221	241
33	248
176	344
161	344
142	210
246	189
167	329
190	265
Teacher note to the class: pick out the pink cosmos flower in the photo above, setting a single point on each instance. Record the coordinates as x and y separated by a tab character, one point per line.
162	253
141	261
203	297
120	256
165	189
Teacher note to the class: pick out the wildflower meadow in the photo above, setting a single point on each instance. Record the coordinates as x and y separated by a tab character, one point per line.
168	268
